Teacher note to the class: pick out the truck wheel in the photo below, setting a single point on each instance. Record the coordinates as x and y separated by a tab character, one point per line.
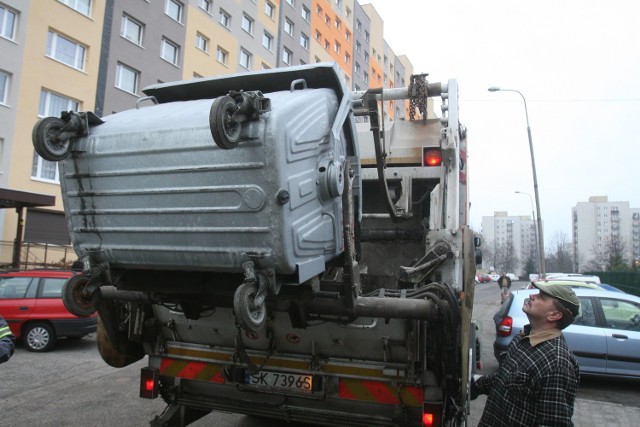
74	298
224	129
250	317
45	142
108	351
39	337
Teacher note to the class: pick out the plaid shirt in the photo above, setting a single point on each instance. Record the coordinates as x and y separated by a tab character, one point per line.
6	341
535	385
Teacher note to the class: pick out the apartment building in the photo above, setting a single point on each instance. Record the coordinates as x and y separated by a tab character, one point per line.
600	226
98	55
510	241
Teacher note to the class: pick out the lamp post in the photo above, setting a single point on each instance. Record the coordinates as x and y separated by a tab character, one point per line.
533	218
535	179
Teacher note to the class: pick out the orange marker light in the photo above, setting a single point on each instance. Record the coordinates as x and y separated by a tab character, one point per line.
431	157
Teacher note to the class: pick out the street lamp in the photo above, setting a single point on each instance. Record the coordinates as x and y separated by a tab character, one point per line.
533	218
535	179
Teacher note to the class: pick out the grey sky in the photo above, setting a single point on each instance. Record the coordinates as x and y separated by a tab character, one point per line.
578	65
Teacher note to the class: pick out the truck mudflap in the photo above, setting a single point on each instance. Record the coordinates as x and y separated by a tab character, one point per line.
291	388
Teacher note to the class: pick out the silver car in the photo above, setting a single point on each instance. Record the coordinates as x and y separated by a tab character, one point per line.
605	337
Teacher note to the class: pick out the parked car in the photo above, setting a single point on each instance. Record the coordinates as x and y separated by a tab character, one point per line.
572	283
605	336
513	277
31	302
494	277
483	278
573	276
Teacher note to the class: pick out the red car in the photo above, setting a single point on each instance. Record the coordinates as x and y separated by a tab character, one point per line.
484	278
31	302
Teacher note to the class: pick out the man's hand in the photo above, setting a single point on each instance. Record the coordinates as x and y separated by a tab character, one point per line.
473	390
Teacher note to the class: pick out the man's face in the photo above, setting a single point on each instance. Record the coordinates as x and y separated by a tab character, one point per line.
539	306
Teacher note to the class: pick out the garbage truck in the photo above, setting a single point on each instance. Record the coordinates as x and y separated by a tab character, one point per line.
276	247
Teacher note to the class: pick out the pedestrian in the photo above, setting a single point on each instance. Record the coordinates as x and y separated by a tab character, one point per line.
537	380
7	341
504	282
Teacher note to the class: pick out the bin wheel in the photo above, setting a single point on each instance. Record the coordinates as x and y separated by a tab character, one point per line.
224	129
249	317
44	139
74	298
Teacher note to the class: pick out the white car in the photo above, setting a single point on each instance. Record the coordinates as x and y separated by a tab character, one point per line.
494	277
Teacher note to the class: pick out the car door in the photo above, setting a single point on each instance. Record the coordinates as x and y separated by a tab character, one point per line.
622	330
17	301
587	339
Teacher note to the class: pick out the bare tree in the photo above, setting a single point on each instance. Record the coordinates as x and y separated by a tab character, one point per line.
610	256
558	255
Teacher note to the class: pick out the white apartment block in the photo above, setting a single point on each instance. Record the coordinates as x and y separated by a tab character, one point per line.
510	240
598	222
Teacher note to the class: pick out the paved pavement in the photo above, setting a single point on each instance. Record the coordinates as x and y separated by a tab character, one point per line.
587	411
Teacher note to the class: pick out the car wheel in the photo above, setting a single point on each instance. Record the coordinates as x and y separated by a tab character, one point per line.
39	337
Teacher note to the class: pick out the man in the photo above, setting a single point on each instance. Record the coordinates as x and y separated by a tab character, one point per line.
7	341
504	282
537	380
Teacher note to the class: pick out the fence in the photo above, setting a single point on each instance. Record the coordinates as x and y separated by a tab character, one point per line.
628	281
37	255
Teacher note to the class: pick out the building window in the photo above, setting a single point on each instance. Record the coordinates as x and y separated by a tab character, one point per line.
4	87
357	69
348	14
287	56
318	35
173	8
245	59
338	24
169	51
288	27
127	78
222	55
247	24
327	20
65	50
347	36
292	3
267	41
327	45
304	41
339	3
51	104
81	6
269	9
7	23
366	35
366	57
365	77
306	14
225	18
358	25
205	5
202	42
132	30
347	58
358	47
336	47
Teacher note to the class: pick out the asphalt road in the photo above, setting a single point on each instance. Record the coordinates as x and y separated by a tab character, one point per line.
72	386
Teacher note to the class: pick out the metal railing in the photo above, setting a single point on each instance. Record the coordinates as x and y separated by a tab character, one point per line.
37	256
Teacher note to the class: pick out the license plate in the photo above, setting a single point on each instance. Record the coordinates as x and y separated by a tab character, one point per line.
280	381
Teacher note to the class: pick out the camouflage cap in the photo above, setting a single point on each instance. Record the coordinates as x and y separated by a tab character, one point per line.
563	293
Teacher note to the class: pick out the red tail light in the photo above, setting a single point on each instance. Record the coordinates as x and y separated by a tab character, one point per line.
431	157
431	414
504	328
149	383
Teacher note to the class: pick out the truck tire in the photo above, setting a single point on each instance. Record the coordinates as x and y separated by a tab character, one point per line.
248	316
224	129
74	298
39	337
45	142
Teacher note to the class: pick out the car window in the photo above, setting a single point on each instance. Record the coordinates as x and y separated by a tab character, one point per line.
620	314
52	288
14	287
587	316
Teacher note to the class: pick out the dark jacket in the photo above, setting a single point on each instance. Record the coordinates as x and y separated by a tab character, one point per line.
7	341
